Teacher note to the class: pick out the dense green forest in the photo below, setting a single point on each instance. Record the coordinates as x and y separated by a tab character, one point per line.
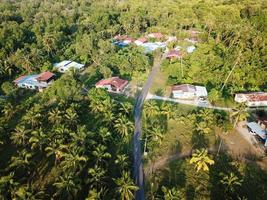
67	143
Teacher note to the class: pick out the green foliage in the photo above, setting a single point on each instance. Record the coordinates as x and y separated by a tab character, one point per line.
201	160
7	88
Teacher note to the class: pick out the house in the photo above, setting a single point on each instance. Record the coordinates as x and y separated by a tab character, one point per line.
171	38
174	54
189	92
190	49
35	82
113	84
192	40
252	98
256	130
155	35
152	46
128	40
120	37
140	41
66	65
193	36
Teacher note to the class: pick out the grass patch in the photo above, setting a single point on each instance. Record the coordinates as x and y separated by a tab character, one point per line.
159	86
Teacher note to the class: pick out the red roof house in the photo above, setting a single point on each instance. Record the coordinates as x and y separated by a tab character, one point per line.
120	37
252	98
156	35
174	54
45	76
128	40
113	84
140	41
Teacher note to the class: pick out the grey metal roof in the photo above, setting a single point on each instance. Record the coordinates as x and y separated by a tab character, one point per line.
256	128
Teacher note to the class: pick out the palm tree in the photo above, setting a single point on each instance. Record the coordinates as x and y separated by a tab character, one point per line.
203	127
167	110
206	115
104	133
151	109
201	160
20	135
37	139
33	117
68	185
156	134
122	161
71	116
72	159
126	108
55	150
22	160
172	194
240	113
126	187
231	181
123	126
108	117
96	194
100	154
97	174
7	186
8	110
54	116
27	192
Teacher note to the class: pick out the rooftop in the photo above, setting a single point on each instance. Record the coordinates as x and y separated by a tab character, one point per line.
255	96
44	76
174	54
114	81
184	88
257	129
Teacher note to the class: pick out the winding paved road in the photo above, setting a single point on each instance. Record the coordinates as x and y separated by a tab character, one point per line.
138	166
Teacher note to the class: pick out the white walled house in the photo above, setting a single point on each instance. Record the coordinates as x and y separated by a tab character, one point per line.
189	92
66	65
252	99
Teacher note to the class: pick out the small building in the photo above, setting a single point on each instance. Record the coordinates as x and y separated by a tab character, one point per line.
36	81
152	46
189	92
256	130
171	38
174	54
155	35
190	49
120	37
128	40
66	65
252	99
140	41
192	40
113	84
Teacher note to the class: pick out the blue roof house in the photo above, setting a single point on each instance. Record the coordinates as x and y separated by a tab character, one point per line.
35	81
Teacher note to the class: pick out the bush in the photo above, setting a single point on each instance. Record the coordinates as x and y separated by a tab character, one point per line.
7	88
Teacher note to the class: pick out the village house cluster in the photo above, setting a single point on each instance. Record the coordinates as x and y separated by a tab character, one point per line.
44	79
153	41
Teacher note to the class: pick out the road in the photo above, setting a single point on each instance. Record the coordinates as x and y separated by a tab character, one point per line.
138	166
